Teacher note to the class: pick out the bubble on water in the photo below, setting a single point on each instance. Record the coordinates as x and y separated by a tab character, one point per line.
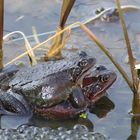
79	132
46	129
61	129
22	128
98	136
80	128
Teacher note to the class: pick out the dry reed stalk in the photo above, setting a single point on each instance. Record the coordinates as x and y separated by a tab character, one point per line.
94	38
103	48
54	53
65	11
42	43
129	50
31	54
35	35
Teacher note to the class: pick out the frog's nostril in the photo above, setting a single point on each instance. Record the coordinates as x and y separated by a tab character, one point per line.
97	87
100	68
77	71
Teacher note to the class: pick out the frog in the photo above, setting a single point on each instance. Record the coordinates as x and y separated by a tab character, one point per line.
6	74
68	100
47	84
96	82
84	97
50	83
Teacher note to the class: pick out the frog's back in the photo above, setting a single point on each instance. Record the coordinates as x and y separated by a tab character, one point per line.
42	70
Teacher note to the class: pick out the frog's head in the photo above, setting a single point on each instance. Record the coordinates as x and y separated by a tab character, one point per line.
82	66
97	82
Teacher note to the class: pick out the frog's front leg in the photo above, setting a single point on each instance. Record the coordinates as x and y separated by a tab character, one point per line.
77	98
69	108
13	104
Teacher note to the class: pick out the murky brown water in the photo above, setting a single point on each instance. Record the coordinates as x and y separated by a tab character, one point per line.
44	15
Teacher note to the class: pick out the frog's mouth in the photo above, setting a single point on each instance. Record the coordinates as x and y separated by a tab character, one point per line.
96	87
98	74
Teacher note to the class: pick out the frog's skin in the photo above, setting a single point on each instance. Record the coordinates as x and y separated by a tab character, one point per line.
46	84
108	14
94	85
6	74
13	104
66	100
68	109
97	82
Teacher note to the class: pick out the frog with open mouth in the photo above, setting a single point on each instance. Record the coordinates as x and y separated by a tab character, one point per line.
96	82
94	85
50	91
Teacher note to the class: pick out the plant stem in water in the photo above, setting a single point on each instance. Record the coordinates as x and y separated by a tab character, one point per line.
66	8
103	48
129	50
58	41
1	31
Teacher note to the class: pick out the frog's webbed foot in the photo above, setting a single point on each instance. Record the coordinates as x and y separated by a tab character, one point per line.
13	104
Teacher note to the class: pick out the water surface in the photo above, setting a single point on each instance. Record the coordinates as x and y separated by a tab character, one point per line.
44	15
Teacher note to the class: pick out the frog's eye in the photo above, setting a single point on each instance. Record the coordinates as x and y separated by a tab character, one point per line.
77	71
83	63
105	78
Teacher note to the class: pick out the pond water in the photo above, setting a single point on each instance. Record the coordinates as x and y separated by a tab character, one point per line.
114	120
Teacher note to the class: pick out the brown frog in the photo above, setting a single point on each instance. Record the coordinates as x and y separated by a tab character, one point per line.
57	95
97	82
94	85
45	85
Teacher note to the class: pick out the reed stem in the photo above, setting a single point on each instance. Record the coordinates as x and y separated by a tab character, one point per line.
129	50
103	48
65	11
94	38
1	32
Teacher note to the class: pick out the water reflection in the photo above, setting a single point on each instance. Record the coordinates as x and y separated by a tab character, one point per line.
65	123
135	120
13	121
101	108
135	125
